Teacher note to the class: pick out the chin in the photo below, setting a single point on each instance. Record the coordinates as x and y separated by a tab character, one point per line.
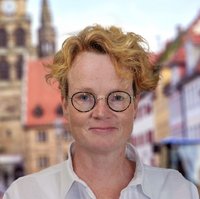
107	146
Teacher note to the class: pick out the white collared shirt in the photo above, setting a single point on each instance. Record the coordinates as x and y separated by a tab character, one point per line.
61	182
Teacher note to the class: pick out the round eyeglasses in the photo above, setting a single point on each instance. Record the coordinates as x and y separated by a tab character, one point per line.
117	101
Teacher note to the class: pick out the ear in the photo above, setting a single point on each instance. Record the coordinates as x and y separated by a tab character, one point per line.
136	101
64	107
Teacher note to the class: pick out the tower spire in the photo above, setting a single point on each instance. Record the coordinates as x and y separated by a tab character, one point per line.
45	15
46	32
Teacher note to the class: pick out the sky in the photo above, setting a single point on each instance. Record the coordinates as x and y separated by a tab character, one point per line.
156	20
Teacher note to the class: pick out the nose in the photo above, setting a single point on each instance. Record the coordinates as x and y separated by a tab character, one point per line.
101	109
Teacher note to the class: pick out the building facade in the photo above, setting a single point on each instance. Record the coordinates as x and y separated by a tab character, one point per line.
16	49
15	45
144	128
182	147
33	135
46	137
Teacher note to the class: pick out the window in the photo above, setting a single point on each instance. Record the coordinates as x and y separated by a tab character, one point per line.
149	136
18	171
20	39
43	162
42	136
3	38
38	111
19	67
47	48
59	110
8	133
4	69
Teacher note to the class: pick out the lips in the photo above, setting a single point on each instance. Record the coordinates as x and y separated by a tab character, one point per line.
103	129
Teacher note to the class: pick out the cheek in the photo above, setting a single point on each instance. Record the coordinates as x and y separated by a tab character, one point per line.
72	123
128	123
75	119
69	112
129	118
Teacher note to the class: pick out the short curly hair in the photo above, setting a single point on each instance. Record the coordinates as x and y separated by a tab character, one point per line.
129	53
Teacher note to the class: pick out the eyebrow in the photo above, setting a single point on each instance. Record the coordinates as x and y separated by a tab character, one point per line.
90	90
84	89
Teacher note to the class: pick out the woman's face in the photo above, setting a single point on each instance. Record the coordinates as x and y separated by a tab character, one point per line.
100	129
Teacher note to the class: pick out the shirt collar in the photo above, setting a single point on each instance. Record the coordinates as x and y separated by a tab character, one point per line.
68	176
133	155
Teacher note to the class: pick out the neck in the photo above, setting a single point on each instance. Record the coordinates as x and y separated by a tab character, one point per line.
112	170
98	161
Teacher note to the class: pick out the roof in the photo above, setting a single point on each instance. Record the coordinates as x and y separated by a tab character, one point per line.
42	101
179	56
193	31
174	51
153	57
171	47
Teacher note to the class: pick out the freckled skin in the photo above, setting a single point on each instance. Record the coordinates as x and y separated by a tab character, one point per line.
101	129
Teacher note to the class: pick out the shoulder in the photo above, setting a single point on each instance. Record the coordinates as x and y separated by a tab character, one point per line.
162	173
160	182
36	183
48	173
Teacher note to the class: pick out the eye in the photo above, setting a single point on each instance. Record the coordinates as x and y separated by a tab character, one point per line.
117	97
83	97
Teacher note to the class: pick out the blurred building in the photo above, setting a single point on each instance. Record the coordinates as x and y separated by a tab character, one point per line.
152	122
46	33
15	45
183	89
168	120
181	59
31	136
144	128
46	138
32	131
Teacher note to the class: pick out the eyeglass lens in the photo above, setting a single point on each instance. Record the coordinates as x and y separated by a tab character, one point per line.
117	101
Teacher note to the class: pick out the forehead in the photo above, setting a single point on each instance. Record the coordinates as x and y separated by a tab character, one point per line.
92	69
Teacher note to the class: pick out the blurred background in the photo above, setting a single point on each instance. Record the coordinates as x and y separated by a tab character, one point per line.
33	135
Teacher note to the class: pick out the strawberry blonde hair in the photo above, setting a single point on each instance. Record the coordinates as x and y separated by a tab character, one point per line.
129	53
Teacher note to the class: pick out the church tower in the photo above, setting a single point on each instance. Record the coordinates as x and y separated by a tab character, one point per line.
46	32
15	44
15	39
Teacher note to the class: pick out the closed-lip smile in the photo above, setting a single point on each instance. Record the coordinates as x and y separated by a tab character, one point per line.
100	129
